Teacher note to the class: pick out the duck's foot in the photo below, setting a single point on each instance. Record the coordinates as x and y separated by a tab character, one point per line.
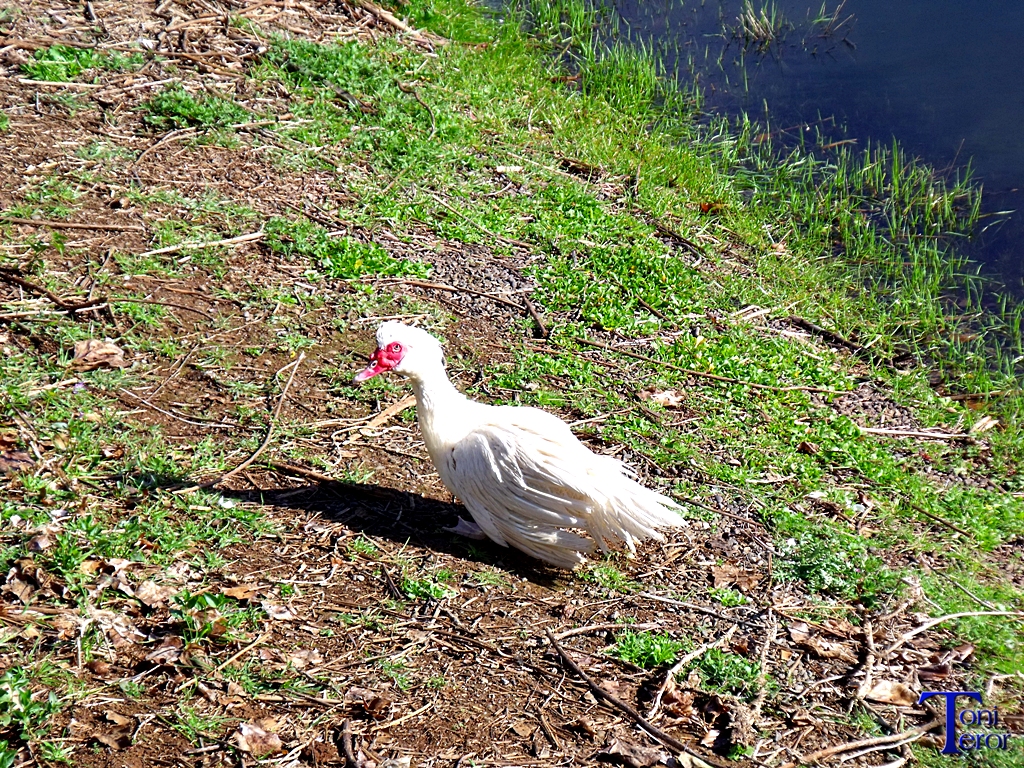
468	529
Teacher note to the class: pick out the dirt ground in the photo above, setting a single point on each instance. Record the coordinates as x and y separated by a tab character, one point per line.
468	678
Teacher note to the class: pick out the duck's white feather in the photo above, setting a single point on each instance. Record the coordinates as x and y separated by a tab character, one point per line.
522	474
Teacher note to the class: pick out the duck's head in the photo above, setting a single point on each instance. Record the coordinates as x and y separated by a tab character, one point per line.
403	349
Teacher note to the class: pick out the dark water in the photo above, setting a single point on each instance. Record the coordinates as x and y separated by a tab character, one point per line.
944	77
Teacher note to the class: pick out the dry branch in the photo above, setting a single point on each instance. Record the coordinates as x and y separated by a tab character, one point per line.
73	225
266	440
929	624
627	710
683	662
892	740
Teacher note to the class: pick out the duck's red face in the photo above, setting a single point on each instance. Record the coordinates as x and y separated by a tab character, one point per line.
384	359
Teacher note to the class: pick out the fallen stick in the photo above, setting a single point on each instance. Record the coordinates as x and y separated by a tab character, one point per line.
879	741
942	521
603	628
702	374
424	38
459	289
266	440
209	244
72	225
929	624
541	328
392	410
913	433
682	663
627	710
7	275
347	744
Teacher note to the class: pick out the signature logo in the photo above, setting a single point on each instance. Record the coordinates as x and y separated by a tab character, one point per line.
986	719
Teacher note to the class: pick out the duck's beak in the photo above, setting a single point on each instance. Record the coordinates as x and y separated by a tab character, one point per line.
376	366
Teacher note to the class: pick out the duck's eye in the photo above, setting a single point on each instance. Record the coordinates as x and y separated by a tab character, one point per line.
396	347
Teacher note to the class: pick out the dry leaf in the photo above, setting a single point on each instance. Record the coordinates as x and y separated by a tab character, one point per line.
370	702
39	543
93	353
15	461
523	728
669	398
241	592
800	633
118	629
633	755
255	740
675	702
19	587
984	424
115	739
729	574
117	718
153	594
889	692
304	658
278	611
167	652
934	672
208	693
98	667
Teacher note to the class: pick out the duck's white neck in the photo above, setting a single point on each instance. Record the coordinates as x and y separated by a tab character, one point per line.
433	389
441	411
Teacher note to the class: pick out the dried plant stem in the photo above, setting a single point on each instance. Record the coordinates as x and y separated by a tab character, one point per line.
682	663
627	710
879	742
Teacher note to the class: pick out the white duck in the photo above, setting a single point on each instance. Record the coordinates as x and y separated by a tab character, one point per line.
522	474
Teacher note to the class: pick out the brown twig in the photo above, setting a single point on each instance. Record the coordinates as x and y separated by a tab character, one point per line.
840	341
129	300
7	275
762	675
656	705
347	746
627	710
548	730
941	521
603	628
933	622
882	431
72	225
541	328
869	662
481	227
460	289
210	244
985	395
821	754
266	440
406	88
702	374
428	39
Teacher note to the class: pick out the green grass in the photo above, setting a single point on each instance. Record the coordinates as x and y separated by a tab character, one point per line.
175	107
646	649
62	63
336	256
728	673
